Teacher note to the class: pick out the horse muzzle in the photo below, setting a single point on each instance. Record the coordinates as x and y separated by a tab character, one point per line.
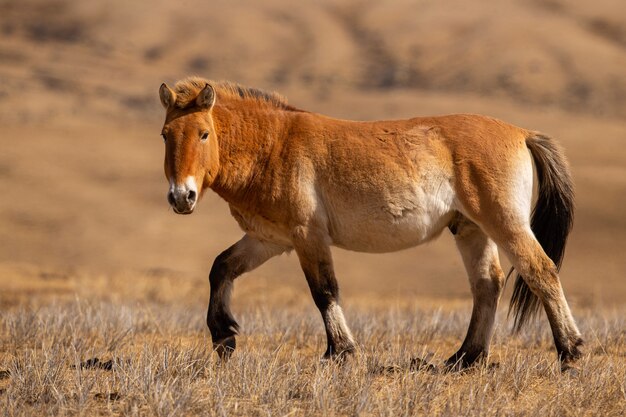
183	197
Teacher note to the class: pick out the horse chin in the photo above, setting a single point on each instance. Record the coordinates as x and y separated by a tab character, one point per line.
184	212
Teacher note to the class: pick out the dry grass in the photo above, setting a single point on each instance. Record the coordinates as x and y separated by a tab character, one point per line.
162	363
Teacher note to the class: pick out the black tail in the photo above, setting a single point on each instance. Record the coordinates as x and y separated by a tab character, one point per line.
552	218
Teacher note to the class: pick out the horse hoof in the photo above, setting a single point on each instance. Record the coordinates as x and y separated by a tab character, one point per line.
570	357
462	361
225	347
338	355
569	364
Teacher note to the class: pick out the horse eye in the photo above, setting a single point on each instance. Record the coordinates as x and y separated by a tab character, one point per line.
204	136
164	138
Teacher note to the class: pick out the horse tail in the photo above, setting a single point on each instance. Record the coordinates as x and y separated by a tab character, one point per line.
552	218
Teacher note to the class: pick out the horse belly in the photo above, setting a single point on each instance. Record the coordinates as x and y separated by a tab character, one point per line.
391	224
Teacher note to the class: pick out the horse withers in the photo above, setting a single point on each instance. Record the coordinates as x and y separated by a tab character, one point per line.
297	180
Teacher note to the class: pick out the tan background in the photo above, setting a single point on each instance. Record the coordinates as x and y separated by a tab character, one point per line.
81	183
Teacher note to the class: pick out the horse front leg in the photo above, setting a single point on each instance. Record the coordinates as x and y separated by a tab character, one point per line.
317	265
244	256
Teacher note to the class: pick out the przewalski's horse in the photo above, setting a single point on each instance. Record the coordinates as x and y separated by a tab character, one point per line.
296	180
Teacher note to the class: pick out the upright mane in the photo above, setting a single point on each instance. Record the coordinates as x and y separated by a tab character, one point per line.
187	90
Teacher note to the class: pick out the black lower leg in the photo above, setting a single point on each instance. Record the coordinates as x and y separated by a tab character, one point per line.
475	347
567	346
223	329
325	292
220	321
470	352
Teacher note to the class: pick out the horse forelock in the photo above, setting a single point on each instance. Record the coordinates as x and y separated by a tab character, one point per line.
188	89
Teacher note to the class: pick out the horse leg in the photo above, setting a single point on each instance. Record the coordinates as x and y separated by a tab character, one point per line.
480	256
540	274
317	264
244	256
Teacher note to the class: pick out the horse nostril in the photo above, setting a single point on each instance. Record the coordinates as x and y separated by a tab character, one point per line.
170	198
191	196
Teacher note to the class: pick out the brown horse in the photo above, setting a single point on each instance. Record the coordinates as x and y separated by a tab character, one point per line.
296	180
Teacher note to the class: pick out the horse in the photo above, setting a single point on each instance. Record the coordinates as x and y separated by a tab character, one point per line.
301	181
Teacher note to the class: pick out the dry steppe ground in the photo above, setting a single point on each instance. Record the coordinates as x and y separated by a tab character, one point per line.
154	356
94	265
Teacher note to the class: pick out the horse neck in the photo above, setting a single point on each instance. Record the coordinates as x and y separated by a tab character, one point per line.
246	136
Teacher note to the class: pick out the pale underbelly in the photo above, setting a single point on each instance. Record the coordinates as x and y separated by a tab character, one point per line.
393	218
379	236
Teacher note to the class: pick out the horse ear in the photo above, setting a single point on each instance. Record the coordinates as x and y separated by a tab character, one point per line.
167	96
206	98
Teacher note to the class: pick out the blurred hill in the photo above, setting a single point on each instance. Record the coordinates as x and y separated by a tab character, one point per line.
80	167
106	56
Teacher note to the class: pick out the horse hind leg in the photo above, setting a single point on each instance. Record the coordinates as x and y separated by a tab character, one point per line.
512	233
480	257
540	274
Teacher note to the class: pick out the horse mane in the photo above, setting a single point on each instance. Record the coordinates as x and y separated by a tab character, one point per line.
188	89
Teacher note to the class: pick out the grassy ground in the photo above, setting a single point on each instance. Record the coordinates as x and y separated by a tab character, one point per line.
154	356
